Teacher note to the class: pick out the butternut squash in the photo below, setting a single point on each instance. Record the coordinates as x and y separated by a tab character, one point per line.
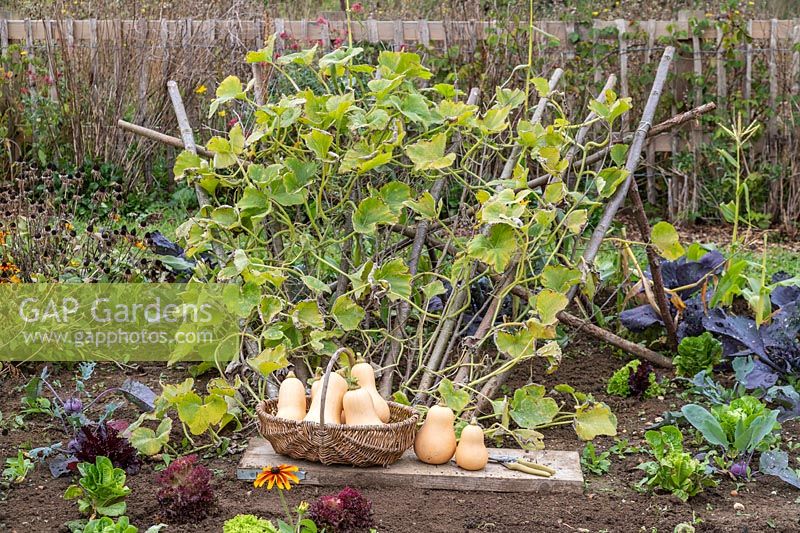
337	386
435	443
362	371
291	399
359	409
471	453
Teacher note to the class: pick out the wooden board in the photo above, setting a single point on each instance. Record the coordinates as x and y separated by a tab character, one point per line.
409	472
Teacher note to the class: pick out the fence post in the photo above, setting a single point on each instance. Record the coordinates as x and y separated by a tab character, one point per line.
795	80
722	76
325	36
748	69
399	35
773	81
697	130
141	31
280	31
423	33
93	48
372	30
4	35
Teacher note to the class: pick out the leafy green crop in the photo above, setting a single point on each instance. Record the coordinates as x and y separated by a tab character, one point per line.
741	427
629	381
17	468
696	354
597	464
247	523
674	470
101	489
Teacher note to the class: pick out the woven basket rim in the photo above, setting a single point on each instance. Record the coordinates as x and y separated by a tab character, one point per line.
261	411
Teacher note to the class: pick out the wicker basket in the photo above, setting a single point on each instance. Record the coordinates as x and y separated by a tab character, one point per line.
339	443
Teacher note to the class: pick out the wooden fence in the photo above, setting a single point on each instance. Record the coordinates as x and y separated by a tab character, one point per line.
770	60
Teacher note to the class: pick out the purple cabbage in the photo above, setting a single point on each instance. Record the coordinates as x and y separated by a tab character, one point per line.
775	346
676	274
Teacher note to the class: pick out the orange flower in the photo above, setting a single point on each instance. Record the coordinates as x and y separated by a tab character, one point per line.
141	245
281	476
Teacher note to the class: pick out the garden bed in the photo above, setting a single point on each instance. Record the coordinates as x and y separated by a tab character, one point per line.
608	503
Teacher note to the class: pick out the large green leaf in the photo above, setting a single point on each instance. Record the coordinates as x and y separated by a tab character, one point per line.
429	155
307	314
706	423
269	360
397	276
530	408
319	142
199	414
496	247
455	399
371	212
560	278
347	313
149	442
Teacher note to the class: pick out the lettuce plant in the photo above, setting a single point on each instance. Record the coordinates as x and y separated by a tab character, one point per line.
673	470
101	489
635	379
345	512
108	525
703	352
186	493
103	439
248	523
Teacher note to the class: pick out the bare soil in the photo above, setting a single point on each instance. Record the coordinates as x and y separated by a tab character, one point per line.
609	502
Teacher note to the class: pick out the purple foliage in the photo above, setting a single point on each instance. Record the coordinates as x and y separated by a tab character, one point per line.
739	469
186	494
775	345
101	439
639	380
676	274
783	296
346	512
73	406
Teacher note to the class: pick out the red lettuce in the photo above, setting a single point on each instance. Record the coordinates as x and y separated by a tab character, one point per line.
186	493
103	439
346	512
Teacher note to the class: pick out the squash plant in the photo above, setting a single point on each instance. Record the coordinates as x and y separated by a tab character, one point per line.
316	195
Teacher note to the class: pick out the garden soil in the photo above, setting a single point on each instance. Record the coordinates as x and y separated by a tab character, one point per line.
609	503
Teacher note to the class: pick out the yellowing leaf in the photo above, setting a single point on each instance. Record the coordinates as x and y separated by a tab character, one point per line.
665	239
269	360
307	314
429	155
594	419
549	303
